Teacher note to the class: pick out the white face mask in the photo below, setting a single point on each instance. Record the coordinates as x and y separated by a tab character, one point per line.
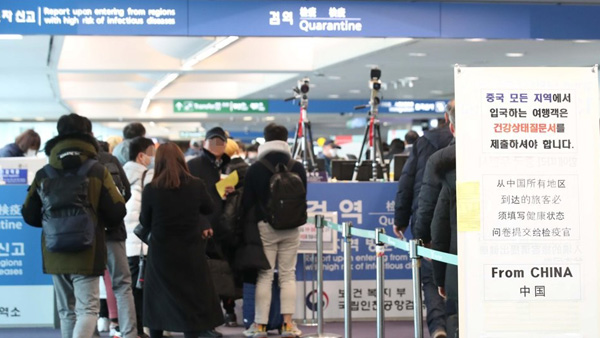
31	153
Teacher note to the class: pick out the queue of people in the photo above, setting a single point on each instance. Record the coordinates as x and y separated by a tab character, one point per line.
426	200
152	224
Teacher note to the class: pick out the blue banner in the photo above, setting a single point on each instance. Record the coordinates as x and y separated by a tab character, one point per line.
110	17
368	205
20	244
300	18
314	18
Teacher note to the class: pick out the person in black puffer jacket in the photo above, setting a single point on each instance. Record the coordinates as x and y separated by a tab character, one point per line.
407	206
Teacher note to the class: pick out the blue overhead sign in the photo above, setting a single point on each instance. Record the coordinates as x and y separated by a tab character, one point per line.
300	18
315	18
111	17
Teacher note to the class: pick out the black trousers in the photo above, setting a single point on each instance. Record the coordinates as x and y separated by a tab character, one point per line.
138	294
159	334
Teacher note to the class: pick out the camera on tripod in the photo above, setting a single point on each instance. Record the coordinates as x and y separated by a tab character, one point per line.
301	90
303	86
375	82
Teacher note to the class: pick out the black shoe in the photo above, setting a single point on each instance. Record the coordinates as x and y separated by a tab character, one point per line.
231	320
210	334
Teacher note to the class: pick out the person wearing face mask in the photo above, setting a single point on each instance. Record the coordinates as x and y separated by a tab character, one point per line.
251	153
330	152
26	145
141	157
209	166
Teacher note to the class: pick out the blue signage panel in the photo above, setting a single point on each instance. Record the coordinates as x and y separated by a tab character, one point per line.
20	244
520	21
347	106
491	21
88	17
14	176
300	18
368	205
314	18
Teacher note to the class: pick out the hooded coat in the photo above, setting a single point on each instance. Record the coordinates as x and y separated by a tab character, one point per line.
66	154
409	184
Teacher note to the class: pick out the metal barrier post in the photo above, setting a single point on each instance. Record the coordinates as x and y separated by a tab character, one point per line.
347	227
416	274
380	251
320	224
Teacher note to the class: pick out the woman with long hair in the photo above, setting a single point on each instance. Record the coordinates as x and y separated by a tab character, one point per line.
179	294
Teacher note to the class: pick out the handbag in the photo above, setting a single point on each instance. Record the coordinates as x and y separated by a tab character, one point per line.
142	233
222	277
139	284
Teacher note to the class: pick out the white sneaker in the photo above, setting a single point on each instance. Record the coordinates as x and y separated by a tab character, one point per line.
256	331
115	331
103	324
290	330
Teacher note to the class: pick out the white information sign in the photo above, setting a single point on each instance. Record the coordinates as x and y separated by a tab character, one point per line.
528	205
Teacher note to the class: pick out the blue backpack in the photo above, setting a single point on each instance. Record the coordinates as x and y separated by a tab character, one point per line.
68	219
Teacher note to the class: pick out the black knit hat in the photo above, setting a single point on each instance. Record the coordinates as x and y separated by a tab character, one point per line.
72	124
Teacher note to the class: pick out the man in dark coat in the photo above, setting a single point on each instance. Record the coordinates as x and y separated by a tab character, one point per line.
76	274
407	204
443	226
209	166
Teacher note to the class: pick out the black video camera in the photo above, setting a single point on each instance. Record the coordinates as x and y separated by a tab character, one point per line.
375	82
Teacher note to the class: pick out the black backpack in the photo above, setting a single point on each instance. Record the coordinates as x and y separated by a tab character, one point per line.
68	219
286	208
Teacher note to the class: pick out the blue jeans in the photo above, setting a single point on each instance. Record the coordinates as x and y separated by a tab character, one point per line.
436	307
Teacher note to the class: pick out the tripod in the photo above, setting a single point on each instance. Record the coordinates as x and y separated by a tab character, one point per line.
372	138
303	140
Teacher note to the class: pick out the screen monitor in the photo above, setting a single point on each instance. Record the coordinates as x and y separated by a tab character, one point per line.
343	170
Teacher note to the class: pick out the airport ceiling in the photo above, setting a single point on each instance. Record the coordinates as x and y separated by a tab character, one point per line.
108	78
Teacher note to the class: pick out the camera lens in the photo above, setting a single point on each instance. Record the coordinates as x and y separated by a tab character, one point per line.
304	88
376	85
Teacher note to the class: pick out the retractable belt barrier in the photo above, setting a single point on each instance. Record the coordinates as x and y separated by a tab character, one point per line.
416	251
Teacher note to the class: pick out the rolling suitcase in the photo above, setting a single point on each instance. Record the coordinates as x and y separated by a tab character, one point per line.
275	317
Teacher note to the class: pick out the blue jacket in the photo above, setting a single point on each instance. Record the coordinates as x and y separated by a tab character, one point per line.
11	150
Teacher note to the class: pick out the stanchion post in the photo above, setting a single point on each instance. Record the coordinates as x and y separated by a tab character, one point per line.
320	220
320	224
416	279
347	228
380	252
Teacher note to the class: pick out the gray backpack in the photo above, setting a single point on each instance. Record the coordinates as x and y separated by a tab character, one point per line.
68	219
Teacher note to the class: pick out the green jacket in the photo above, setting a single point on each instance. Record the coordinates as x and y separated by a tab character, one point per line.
68	153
